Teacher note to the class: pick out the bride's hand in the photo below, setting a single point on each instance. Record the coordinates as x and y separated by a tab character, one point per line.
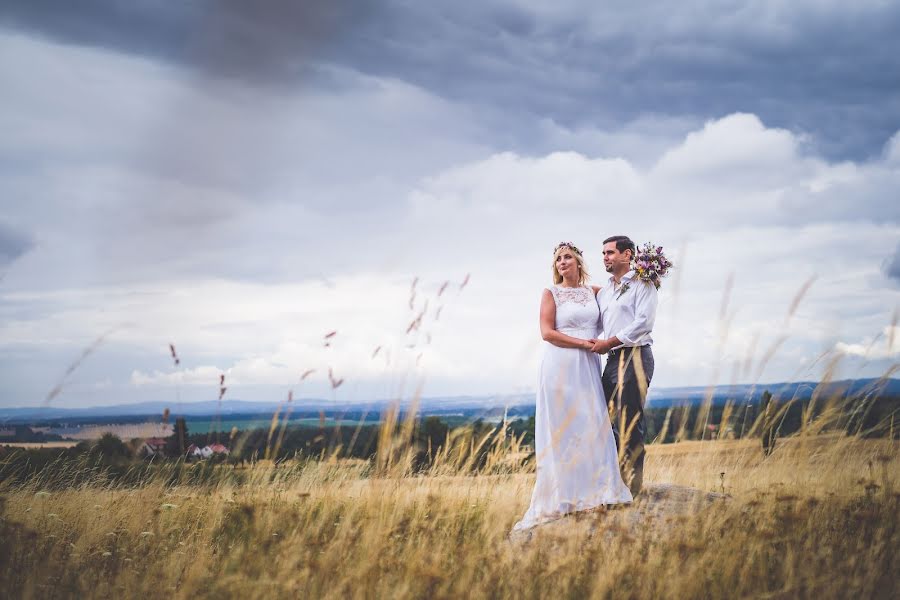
591	343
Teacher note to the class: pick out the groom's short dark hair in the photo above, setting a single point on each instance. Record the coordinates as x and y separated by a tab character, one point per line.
623	243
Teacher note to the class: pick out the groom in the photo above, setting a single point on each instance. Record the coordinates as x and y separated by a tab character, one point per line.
627	313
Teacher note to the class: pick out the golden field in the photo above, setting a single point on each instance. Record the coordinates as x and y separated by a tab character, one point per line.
125	431
819	517
61	444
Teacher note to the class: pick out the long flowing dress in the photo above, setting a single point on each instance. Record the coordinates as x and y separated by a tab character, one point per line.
577	462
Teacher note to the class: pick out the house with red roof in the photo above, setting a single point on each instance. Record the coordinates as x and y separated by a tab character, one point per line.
152	447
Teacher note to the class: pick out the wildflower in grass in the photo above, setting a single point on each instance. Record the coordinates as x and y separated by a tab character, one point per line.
412	293
417	322
335	383
412	325
328	337
168	506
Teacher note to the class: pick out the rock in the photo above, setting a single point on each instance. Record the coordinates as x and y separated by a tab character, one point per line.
653	507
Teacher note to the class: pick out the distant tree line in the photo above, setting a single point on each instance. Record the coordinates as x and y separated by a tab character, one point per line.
873	417
24	433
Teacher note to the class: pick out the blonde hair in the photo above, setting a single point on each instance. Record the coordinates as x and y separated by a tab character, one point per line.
583	274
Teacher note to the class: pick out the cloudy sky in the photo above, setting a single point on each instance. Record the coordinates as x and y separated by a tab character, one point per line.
240	179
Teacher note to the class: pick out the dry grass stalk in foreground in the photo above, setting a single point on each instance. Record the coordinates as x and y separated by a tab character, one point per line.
817	517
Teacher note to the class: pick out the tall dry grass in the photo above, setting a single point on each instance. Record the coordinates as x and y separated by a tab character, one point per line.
816	517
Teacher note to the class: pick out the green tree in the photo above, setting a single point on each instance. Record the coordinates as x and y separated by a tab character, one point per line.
434	431
177	443
110	446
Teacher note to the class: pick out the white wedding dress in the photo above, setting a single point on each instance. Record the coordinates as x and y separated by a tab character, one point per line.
577	462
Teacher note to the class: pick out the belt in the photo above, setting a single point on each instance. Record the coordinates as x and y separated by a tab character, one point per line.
617	351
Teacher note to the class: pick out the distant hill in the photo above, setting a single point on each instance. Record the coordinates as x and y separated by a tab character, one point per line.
469	406
800	390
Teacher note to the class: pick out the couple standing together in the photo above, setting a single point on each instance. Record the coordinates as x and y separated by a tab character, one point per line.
583	460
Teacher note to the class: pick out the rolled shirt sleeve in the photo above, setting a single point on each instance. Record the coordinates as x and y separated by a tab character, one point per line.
646	299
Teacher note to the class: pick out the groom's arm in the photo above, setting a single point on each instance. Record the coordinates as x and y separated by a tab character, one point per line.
646	300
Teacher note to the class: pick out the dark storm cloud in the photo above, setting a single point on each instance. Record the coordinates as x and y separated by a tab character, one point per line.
141	27
833	74
13	243
892	266
829	70
259	42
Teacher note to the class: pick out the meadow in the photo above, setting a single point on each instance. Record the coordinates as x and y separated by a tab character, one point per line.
817	517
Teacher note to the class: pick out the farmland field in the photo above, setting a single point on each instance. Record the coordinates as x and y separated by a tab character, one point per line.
123	431
128	431
63	444
225	425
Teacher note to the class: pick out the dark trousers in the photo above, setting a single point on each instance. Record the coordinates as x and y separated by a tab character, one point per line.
626	400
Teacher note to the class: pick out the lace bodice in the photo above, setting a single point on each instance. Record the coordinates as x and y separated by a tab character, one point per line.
575	450
577	312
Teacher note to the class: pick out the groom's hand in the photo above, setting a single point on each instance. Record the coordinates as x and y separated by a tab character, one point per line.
600	347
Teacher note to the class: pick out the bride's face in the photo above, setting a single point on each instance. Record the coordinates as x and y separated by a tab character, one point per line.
566	263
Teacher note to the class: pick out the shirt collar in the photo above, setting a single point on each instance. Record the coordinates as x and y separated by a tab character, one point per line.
626	277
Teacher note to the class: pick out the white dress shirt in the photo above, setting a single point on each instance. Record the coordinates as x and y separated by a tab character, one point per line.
628	315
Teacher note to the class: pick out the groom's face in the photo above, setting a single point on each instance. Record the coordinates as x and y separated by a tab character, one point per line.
613	260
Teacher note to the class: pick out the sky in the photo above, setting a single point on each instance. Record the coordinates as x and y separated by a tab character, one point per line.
241	179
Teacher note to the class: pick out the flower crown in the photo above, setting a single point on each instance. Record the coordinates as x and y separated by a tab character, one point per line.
568	245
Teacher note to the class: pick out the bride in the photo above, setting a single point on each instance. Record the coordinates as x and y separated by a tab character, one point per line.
577	462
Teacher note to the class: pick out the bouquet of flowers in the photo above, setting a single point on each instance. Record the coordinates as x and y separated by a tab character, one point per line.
651	264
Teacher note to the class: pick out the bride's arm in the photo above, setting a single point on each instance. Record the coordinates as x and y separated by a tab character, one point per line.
548	326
